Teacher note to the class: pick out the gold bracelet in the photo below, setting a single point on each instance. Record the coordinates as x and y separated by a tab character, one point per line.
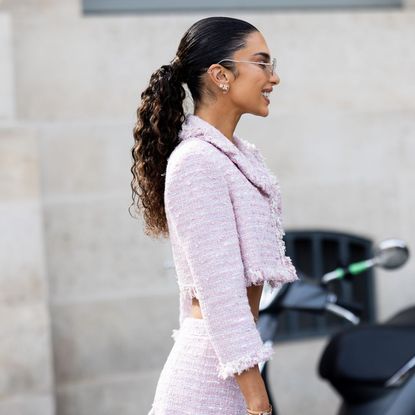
266	412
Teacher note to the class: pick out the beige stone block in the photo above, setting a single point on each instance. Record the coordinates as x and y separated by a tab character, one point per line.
7	90
105	84
19	165
342	60
126	394
107	338
79	159
406	155
23	274
360	208
28	405
291	377
24	350
329	148
21	243
96	250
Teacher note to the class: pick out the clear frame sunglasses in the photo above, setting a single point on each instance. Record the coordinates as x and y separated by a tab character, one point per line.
268	66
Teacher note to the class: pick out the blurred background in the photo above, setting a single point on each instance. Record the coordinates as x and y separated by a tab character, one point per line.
87	301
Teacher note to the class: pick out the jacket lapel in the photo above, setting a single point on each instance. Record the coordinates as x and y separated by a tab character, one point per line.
243	154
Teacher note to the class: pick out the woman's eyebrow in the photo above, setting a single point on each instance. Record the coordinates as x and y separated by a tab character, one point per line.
263	54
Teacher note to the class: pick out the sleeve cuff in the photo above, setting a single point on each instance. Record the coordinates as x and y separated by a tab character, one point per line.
275	278
238	366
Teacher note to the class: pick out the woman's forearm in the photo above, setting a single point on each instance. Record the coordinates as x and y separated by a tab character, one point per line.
253	389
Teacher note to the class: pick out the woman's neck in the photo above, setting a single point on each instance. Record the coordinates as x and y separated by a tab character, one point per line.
225	123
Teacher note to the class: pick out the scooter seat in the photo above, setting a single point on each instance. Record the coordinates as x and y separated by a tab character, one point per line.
405	317
367	354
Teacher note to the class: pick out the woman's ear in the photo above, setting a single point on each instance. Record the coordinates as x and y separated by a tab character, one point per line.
218	75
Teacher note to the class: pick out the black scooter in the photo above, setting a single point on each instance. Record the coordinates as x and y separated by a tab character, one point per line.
372	367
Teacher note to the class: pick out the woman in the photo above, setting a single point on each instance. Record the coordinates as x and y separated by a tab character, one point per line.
212	194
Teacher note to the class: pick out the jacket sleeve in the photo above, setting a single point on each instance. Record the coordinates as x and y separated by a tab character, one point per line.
200	212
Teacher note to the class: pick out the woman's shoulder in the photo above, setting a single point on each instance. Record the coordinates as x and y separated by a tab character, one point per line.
192	163
193	168
192	153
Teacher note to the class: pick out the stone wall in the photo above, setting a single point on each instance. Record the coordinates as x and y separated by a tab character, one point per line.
26	377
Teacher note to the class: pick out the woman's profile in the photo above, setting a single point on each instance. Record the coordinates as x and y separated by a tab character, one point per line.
210	192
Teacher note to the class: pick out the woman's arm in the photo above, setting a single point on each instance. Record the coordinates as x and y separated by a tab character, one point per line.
250	381
253	389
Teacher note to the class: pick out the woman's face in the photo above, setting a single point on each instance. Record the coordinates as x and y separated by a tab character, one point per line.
247	90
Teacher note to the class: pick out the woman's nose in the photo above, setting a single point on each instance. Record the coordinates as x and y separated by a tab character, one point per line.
275	79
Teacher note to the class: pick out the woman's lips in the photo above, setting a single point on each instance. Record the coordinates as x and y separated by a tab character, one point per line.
266	99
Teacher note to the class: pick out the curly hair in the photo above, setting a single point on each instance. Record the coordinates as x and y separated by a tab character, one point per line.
160	114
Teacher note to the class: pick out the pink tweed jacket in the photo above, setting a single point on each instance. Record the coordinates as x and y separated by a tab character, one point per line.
223	210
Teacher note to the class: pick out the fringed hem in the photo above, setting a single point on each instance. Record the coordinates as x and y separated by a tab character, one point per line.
238	366
275	278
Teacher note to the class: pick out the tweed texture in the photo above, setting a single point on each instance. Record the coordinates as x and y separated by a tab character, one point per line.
223	209
188	384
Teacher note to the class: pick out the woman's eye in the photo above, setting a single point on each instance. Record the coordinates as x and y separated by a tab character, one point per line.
263	65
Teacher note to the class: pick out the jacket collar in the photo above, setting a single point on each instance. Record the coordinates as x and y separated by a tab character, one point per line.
243	154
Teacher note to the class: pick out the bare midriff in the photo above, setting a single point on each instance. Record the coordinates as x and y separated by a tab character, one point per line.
254	295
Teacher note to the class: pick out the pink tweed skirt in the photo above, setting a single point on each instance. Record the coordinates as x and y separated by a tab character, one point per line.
189	382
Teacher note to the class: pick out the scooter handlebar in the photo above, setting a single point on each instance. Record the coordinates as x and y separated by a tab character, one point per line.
342	312
353	307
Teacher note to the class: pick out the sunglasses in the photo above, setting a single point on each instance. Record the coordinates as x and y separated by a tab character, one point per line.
268	66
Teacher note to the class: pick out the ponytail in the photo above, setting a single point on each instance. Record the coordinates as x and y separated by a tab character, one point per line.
159	120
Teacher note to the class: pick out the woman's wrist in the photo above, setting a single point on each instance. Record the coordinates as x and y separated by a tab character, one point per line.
267	411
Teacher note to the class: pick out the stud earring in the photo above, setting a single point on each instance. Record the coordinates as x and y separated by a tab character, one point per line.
224	87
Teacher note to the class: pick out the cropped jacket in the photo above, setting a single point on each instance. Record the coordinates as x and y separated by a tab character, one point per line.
223	210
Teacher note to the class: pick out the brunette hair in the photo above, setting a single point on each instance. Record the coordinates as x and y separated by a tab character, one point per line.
160	114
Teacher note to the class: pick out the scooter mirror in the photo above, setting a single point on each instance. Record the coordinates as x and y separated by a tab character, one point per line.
268	296
391	253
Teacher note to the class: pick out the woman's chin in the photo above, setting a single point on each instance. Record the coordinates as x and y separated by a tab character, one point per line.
261	111
264	112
